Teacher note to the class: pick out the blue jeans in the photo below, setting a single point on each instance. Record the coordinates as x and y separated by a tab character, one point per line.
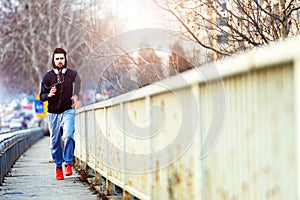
62	125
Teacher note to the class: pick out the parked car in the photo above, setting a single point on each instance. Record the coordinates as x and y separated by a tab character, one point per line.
17	124
5	123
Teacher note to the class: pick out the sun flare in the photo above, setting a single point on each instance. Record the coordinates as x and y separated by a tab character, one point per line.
134	14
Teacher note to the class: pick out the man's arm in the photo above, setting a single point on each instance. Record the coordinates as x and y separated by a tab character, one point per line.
76	98
77	85
44	91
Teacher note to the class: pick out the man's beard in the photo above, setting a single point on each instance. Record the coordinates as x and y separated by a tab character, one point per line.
58	66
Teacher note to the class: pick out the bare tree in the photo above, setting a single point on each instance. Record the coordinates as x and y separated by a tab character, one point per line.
225	27
30	31
177	62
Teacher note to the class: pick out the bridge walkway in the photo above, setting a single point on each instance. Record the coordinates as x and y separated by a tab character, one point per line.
33	177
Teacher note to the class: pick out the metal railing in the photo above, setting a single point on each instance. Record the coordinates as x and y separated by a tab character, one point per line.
13	144
228	130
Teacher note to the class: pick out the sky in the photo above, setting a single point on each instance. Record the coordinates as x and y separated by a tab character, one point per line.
137	14
131	14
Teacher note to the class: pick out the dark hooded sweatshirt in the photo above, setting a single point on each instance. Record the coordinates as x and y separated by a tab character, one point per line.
68	86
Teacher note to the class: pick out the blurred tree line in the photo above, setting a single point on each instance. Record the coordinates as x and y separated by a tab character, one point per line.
29	33
30	30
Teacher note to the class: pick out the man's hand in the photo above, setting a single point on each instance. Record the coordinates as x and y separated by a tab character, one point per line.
76	102
52	91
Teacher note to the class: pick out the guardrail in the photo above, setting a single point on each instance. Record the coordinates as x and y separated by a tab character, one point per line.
228	130
13	144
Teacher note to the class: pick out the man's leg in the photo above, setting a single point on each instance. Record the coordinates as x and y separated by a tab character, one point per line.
56	143
69	142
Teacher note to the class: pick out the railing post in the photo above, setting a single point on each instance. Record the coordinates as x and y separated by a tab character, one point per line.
95	138
297	116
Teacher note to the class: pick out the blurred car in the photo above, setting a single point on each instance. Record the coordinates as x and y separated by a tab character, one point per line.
5	123
17	124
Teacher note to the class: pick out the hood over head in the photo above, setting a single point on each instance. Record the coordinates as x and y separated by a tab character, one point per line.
59	50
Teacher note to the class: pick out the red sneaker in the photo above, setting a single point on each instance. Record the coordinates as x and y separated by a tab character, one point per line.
68	170
59	174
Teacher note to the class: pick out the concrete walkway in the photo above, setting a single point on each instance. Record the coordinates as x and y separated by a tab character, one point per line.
33	177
